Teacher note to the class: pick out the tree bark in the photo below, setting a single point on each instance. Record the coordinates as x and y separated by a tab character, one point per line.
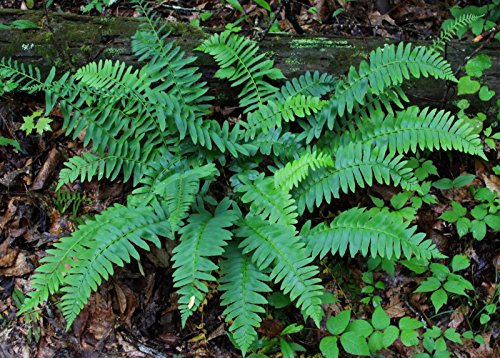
69	41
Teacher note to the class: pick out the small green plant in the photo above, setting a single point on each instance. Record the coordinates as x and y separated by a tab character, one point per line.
359	337
444	282
31	319
37	122
66	199
481	216
283	344
458	182
369	289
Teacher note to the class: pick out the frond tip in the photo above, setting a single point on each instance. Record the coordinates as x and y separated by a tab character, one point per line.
374	232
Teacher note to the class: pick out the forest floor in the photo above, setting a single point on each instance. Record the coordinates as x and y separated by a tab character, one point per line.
134	314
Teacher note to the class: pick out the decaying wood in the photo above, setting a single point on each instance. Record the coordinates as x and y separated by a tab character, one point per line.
70	40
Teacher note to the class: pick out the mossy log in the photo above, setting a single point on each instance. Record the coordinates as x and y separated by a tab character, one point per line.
69	41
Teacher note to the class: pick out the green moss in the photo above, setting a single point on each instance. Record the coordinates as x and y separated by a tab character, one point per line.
319	43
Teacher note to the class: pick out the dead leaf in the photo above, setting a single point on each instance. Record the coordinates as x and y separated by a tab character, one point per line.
8	254
22	266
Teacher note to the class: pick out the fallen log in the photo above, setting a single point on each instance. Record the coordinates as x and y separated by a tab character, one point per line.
71	40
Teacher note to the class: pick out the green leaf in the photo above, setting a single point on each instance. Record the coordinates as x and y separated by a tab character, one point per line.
452	335
337	324
459	262
380	319
291	329
43	125
235	4
354	344
360	327
264	4
399	200
485	94
429	285
329	347
463	226
286	349
278	300
443	184
493	221
440	271
463	180
476	65
375	342
456	286
389	336
439	298
12	142
409	338
478	229
467	86
408	323
23	25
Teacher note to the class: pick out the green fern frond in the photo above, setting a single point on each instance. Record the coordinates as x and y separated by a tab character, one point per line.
243	284
308	84
24	77
169	66
369	232
277	245
451	31
355	165
203	237
389	66
77	264
239	63
414	129
178	192
268	201
274	112
208	133
280	143
295	171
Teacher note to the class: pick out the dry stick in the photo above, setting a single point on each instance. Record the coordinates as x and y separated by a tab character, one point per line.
275	16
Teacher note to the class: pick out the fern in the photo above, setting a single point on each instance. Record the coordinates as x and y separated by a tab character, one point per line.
374	232
451	30
277	245
296	171
414	129
77	264
179	191
240	64
204	236
267	201
355	165
388	67
243	285
151	126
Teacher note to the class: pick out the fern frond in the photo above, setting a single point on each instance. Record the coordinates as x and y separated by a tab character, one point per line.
280	143
203	237
77	264
414	129
268	201
389	66
368	232
274	112
25	77
355	165
308	84
169	66
451	30
296	171
277	245
239	63
178	192
208	133
243	284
